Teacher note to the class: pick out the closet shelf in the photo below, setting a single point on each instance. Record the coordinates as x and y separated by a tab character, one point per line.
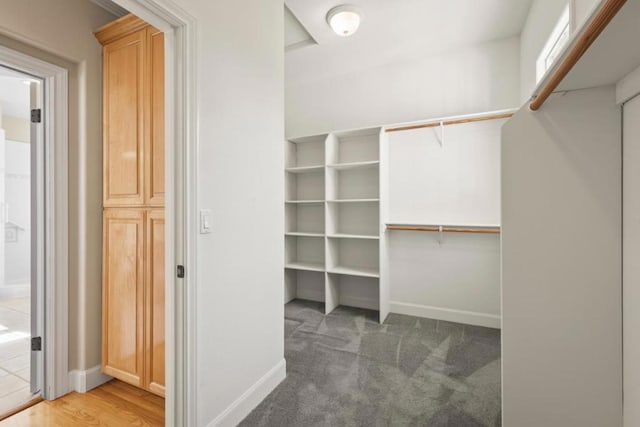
355	165
355	271
305	265
309	202
353	236
305	169
353	201
303	234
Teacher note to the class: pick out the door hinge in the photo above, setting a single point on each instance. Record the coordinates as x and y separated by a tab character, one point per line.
180	271
36	115
36	344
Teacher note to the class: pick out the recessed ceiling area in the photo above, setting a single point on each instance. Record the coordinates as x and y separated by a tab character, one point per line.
396	31
295	35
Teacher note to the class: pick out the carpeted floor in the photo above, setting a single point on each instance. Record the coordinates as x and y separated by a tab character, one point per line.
345	369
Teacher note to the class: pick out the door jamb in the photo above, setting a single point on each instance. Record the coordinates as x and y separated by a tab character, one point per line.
181	147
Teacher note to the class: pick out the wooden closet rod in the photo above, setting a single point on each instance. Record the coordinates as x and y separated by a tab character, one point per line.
452	122
448	228
588	35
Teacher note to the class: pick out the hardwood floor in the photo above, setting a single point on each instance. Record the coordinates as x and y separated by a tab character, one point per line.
113	404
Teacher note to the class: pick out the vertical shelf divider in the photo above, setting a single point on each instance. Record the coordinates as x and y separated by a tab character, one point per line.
332	291
383	282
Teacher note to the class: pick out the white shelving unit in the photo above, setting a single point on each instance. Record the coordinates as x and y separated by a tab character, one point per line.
333	227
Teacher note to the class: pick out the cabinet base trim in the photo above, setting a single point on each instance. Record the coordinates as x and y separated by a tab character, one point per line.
243	405
83	381
447	314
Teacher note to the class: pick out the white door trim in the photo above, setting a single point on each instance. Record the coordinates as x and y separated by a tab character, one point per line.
56	271
181	230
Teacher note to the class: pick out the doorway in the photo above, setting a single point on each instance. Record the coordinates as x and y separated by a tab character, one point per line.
21	239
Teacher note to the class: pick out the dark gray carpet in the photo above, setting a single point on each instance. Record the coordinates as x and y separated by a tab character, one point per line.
345	369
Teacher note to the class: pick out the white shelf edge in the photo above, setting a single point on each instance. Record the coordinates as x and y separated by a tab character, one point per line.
353	236
353	201
354	271
305	169
354	165
300	202
302	234
319	138
306	266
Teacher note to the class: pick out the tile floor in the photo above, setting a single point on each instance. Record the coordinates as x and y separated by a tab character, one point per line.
14	352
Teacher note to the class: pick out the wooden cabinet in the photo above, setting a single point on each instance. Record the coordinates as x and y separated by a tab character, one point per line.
133	296
123	120
154	173
123	294
133	347
133	113
154	378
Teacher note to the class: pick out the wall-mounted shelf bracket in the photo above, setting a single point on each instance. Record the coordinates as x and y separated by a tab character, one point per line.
440	137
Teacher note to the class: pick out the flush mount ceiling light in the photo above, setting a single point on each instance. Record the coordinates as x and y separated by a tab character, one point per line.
344	20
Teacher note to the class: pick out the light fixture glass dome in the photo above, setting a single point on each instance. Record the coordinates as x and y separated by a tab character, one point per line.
344	20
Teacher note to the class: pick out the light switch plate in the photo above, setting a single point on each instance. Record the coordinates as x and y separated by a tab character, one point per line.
206	218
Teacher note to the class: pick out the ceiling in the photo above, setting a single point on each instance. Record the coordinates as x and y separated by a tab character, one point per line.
112	7
295	35
14	94
395	31
392	31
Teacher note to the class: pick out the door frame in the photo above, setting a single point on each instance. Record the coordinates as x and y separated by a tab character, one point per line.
54	372
181	224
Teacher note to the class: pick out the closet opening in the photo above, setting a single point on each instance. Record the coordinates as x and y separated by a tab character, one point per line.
134	197
392	272
22	239
167	175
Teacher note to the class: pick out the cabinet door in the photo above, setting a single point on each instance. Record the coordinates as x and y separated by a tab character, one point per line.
124	63
155	301
123	295
155	142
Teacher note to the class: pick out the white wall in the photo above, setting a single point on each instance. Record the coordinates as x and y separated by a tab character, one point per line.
241	158
475	79
631	268
457	280
34	27
561	269
456	183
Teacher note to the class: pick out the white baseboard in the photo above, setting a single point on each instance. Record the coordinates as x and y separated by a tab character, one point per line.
243	405
448	314
83	381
